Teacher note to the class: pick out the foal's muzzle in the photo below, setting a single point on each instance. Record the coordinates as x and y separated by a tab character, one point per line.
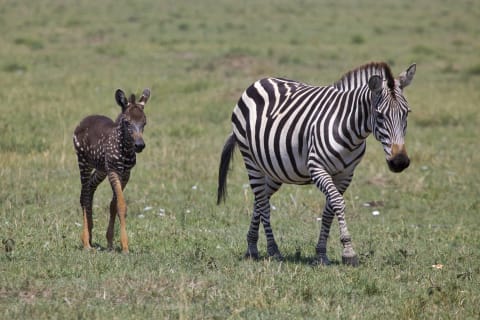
139	146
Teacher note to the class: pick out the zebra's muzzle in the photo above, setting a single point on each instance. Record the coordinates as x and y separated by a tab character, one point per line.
398	163
399	160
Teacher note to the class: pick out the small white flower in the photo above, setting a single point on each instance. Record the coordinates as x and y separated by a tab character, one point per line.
273	207
194	187
319	218
78	224
141	216
148	208
187	211
375	212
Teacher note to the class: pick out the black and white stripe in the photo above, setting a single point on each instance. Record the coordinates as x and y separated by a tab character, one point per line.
291	132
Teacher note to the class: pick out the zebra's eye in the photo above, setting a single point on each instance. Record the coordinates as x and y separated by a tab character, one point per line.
380	117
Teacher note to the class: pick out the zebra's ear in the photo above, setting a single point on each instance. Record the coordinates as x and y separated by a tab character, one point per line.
375	83
121	99
407	76
144	98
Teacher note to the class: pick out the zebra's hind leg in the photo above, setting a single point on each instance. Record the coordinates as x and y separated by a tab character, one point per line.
272	248
263	189
252	236
261	212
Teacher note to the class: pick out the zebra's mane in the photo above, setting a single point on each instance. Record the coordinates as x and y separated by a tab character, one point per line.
360	76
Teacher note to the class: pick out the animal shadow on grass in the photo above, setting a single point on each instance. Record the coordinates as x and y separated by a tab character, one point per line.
97	247
295	258
312	261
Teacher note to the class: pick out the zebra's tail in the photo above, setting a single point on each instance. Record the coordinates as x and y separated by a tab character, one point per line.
227	155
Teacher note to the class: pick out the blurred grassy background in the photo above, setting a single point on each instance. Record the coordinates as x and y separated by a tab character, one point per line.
63	60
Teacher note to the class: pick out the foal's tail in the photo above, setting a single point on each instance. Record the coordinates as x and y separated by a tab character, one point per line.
227	155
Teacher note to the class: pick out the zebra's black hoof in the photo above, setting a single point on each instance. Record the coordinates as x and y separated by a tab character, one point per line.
321	261
350	261
277	256
251	255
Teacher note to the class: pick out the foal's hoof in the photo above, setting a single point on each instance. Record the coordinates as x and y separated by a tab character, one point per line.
88	247
350	261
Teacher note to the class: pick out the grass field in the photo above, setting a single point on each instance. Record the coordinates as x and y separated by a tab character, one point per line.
63	60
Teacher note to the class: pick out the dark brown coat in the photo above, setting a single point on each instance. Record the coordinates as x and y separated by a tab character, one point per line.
108	149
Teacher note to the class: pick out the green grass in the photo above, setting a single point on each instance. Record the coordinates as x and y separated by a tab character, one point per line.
61	61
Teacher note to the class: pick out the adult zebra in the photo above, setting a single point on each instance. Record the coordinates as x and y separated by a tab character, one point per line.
291	132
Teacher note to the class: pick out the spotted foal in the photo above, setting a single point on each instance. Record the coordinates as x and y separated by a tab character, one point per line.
108	149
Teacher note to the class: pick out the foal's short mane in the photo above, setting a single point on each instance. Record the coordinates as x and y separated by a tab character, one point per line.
365	71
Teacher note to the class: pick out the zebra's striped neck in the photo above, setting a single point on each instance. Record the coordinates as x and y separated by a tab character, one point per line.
360	76
357	120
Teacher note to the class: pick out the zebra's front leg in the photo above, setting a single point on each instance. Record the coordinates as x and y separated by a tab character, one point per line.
349	257
321	249
335	200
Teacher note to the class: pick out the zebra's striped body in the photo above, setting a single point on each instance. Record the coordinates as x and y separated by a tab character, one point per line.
290	132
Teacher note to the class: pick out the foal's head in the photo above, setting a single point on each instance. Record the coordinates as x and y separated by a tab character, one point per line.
132	116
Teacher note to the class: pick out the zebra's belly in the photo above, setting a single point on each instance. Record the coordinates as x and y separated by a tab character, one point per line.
283	163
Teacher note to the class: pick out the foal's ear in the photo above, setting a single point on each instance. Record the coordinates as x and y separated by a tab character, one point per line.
121	99
144	98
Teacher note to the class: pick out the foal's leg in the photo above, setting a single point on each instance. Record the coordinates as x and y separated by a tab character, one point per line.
90	181
114	212
117	187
